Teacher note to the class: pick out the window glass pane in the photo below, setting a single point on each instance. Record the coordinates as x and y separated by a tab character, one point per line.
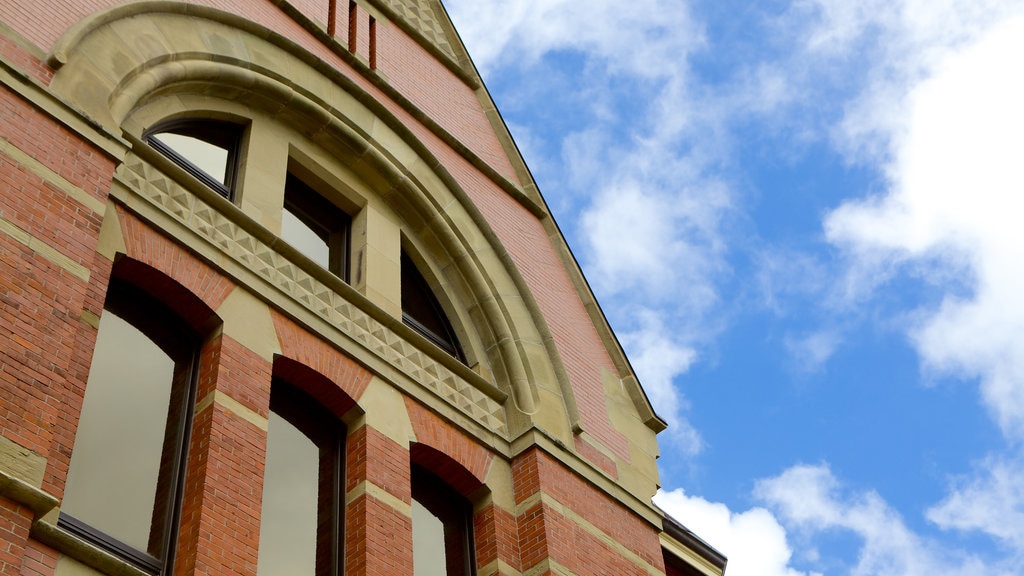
206	156
428	555
304	239
288	524
113	476
422	311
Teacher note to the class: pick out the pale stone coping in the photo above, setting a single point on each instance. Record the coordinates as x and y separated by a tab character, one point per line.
36	167
21	463
43	249
90	319
233	406
18	490
68	566
536	437
683	552
498	566
550	566
569	513
45	530
110	241
32	92
365	488
247	320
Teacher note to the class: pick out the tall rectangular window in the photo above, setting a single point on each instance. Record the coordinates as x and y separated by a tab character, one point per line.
315	226
127	467
442	538
301	519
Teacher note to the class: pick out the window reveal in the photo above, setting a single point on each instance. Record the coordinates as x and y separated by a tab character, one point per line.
315	226
442	539
422	312
300	521
127	468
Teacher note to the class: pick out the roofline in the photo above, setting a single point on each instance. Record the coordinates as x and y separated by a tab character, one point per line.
685	536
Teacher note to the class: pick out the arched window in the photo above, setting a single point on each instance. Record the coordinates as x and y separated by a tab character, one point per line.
206	149
301	517
423	313
442	536
126	475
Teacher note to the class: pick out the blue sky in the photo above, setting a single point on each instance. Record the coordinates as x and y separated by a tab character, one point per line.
805	222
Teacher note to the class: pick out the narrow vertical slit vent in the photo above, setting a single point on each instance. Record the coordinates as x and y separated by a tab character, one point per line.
373	43
332	17
353	17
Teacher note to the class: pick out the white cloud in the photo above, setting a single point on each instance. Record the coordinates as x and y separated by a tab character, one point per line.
649	214
806	505
753	541
811	501
904	41
634	38
953	209
992	502
812	351
658	360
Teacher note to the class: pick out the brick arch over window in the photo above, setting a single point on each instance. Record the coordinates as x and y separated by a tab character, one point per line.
445	451
170	273
332	395
512	334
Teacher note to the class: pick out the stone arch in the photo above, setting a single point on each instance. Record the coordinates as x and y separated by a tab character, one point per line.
168	49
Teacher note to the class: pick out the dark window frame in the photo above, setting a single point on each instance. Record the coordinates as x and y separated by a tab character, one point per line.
422	311
173	335
328	433
221	133
454	511
328	221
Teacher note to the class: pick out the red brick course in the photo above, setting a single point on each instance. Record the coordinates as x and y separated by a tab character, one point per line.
299	345
161	253
15	521
469	457
541	530
379	460
497	537
378	538
222	499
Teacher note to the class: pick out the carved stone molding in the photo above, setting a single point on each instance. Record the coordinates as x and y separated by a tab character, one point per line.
151	184
420	16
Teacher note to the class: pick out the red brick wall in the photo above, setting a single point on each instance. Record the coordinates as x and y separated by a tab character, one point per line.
41	304
14	525
378	538
545	532
404	61
299	345
221	508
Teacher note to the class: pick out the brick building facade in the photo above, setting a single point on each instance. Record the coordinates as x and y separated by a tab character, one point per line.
279	296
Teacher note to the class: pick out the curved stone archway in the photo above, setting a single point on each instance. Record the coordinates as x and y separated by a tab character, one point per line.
158	53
